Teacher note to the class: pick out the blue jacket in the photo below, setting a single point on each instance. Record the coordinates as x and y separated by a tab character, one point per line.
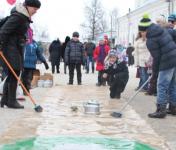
162	47
32	53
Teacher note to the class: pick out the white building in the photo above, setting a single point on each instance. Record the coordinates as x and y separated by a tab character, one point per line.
128	24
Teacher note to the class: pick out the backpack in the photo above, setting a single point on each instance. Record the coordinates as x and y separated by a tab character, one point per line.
3	20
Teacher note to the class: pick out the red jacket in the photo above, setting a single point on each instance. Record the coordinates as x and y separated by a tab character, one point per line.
100	65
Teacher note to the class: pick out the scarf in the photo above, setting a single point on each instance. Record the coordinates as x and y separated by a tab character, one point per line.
102	54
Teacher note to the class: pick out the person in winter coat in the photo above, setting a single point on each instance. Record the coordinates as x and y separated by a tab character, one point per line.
119	73
163	50
74	58
67	39
32	53
12	41
89	48
142	56
100	53
129	52
55	55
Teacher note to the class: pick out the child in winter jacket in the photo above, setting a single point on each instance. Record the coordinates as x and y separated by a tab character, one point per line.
119	71
100	54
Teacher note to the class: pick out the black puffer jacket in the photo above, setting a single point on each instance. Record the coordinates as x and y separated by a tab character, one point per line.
116	68
55	52
162	48
12	36
74	52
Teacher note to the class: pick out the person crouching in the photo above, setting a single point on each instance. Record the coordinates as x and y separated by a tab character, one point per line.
119	72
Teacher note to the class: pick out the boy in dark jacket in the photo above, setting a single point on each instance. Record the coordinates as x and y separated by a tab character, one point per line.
12	41
74	57
119	72
163	50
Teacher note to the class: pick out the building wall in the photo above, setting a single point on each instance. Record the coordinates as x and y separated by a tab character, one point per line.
128	24
140	3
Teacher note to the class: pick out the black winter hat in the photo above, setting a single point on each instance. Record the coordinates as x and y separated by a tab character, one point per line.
145	22
33	3
75	34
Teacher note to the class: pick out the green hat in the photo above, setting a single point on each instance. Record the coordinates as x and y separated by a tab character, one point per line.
145	22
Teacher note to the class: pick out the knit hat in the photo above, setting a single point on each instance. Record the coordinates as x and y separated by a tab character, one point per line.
113	52
75	34
172	17
145	22
33	3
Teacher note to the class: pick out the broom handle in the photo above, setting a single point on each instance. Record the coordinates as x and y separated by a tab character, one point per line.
13	72
133	96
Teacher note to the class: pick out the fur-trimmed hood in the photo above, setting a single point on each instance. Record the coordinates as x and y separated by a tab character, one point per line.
20	8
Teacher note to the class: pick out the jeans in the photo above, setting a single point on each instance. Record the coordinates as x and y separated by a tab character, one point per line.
166	87
90	59
143	77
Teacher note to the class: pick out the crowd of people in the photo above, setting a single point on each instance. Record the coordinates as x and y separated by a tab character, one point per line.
153	54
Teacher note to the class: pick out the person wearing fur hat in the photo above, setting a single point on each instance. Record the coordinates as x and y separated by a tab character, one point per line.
118	70
163	50
12	42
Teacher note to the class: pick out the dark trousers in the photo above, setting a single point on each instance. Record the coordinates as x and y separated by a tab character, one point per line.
118	85
27	76
72	67
65	68
54	65
10	87
101	80
130	60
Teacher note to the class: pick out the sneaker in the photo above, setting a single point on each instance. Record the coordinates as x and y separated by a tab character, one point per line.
79	83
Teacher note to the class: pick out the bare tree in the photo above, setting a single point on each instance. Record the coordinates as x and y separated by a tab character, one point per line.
113	21
94	14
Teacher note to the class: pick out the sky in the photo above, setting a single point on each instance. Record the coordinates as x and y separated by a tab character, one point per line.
62	17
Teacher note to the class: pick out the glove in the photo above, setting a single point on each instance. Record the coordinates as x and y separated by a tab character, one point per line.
46	65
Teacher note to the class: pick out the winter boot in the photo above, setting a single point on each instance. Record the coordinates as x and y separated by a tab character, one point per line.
4	98
160	112
79	79
12	102
172	109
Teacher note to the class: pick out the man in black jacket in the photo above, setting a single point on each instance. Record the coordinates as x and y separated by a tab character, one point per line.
12	41
55	55
163	50
74	57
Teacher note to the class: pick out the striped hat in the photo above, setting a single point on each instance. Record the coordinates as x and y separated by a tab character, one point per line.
145	22
113	52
